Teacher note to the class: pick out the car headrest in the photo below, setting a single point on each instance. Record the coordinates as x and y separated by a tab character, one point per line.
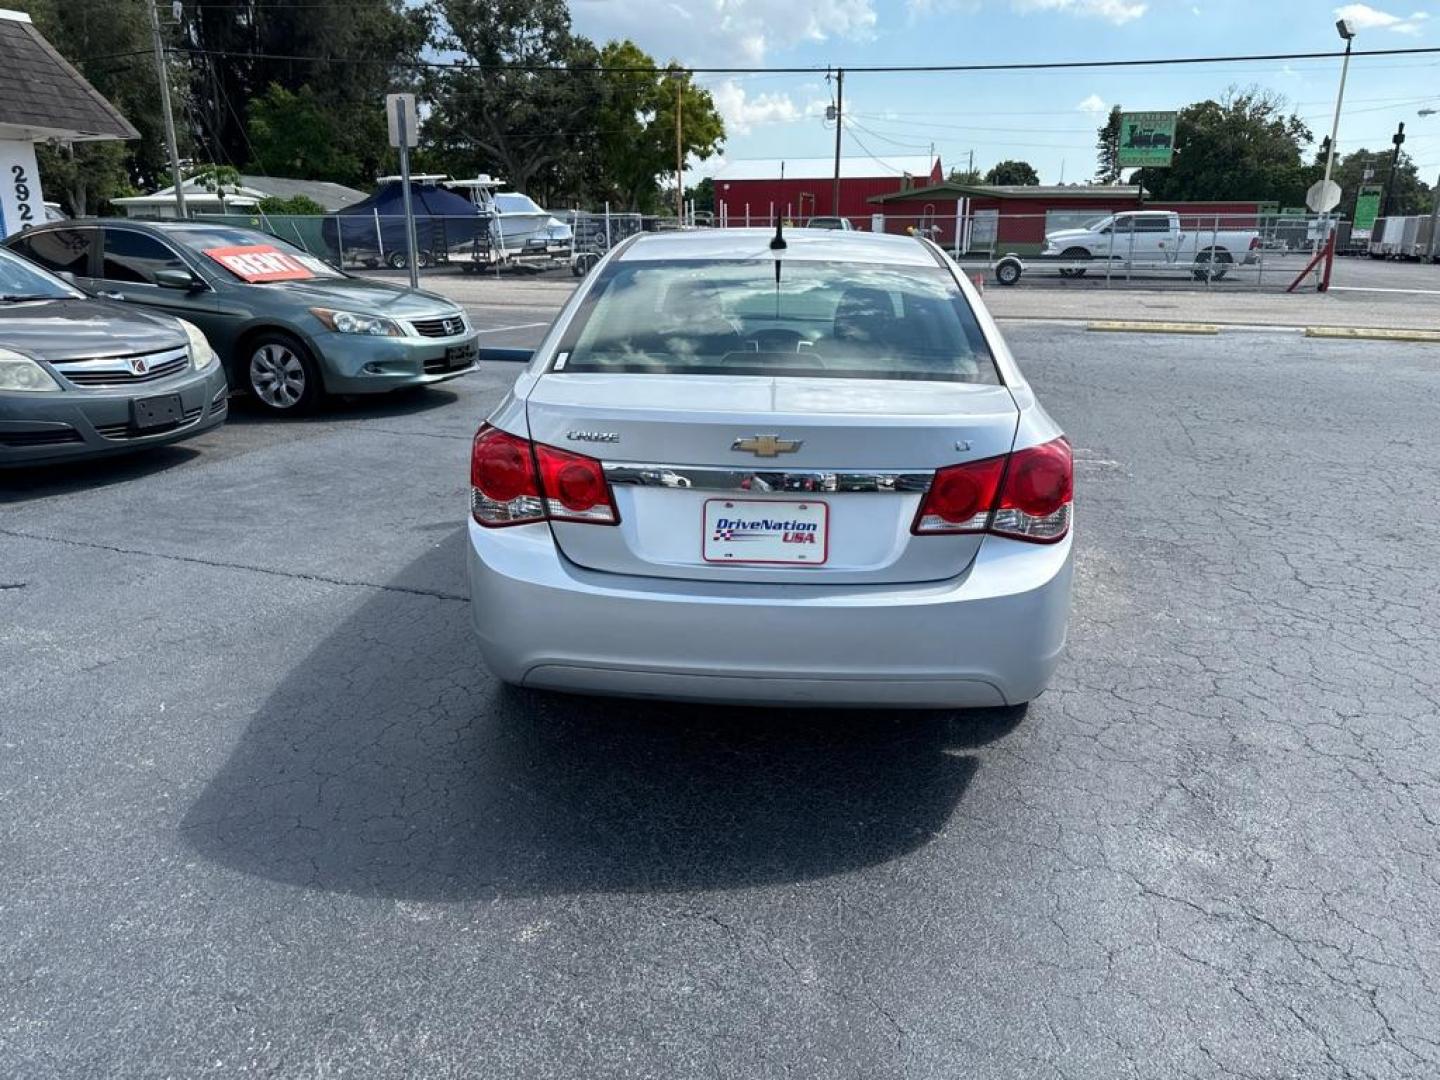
864	315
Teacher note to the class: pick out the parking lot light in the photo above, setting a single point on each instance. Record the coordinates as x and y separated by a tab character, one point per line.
1346	29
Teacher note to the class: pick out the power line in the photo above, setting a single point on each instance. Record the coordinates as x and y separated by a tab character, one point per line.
881	69
852	124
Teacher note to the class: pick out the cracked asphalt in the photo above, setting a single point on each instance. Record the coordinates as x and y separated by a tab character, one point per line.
262	812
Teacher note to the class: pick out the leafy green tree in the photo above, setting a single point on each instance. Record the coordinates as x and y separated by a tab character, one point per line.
966	176
1107	149
108	42
295	204
337	59
635	124
84	177
534	127
1244	146
1013	172
702	194
294	134
1409	194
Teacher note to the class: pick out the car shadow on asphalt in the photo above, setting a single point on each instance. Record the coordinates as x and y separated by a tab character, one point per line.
413	401
45	481
389	763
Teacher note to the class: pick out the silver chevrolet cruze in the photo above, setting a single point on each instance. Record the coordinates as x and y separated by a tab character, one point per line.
778	469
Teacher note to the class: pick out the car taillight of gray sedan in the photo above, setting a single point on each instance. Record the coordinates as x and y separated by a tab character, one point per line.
800	469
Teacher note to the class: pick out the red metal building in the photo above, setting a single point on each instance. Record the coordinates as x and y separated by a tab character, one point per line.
758	191
1018	217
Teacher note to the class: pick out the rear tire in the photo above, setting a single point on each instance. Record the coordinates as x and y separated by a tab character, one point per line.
1074	255
280	374
1213	265
1008	271
398	260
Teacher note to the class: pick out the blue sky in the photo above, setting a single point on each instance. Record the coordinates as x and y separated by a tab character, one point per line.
1046	118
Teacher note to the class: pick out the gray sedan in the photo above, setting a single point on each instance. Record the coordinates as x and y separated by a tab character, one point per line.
288	326
792	470
83	378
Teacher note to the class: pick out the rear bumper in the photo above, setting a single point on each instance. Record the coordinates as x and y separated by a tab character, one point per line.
42	429
989	637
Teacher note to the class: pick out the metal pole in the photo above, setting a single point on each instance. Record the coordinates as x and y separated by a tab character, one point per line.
839	127
679	156
379	236
1214	243
168	116
412	256
1435	226
1339	98
1398	138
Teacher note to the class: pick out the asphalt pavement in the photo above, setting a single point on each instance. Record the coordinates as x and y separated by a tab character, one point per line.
263	813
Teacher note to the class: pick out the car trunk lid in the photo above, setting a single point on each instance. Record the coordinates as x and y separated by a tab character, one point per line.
693	457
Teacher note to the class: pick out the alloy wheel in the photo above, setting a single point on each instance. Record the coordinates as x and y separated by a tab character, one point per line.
277	376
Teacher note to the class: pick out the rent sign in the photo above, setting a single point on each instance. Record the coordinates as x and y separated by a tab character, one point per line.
260	262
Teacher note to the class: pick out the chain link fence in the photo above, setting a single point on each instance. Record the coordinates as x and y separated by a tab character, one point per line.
1142	248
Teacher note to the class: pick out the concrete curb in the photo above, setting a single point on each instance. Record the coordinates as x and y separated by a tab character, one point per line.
1371	333
1117	327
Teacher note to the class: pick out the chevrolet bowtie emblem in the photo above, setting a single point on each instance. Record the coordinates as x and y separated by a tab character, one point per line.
766	445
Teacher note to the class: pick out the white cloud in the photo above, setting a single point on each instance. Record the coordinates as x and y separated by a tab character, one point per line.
1115	11
919	9
1093	105
743	112
724	31
1366	17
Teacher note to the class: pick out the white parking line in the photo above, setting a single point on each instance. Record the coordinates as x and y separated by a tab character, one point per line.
502	329
1376	288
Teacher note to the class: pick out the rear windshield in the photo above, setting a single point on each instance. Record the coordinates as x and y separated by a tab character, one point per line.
821	319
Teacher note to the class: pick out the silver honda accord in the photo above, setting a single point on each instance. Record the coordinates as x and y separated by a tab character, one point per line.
773	468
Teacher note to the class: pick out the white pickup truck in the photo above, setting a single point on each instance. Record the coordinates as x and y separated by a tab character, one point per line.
1144	238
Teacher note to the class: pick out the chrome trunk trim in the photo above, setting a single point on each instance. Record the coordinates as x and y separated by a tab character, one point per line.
723	478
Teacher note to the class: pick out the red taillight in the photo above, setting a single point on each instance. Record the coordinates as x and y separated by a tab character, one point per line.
1025	495
960	498
575	487
506	488
1036	497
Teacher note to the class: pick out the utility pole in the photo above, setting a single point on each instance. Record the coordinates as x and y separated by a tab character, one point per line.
679	157
839	127
169	117
1398	138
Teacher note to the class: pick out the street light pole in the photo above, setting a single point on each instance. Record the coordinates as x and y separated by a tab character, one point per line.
1347	31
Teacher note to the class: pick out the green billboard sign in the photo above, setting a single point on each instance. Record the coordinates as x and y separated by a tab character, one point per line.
1367	207
1147	139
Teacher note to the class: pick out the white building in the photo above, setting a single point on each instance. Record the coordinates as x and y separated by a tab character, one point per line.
241	198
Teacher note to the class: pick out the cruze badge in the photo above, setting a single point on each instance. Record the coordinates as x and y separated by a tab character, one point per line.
767	445
593	436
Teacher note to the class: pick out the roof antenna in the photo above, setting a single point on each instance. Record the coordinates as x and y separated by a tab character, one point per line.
777	242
